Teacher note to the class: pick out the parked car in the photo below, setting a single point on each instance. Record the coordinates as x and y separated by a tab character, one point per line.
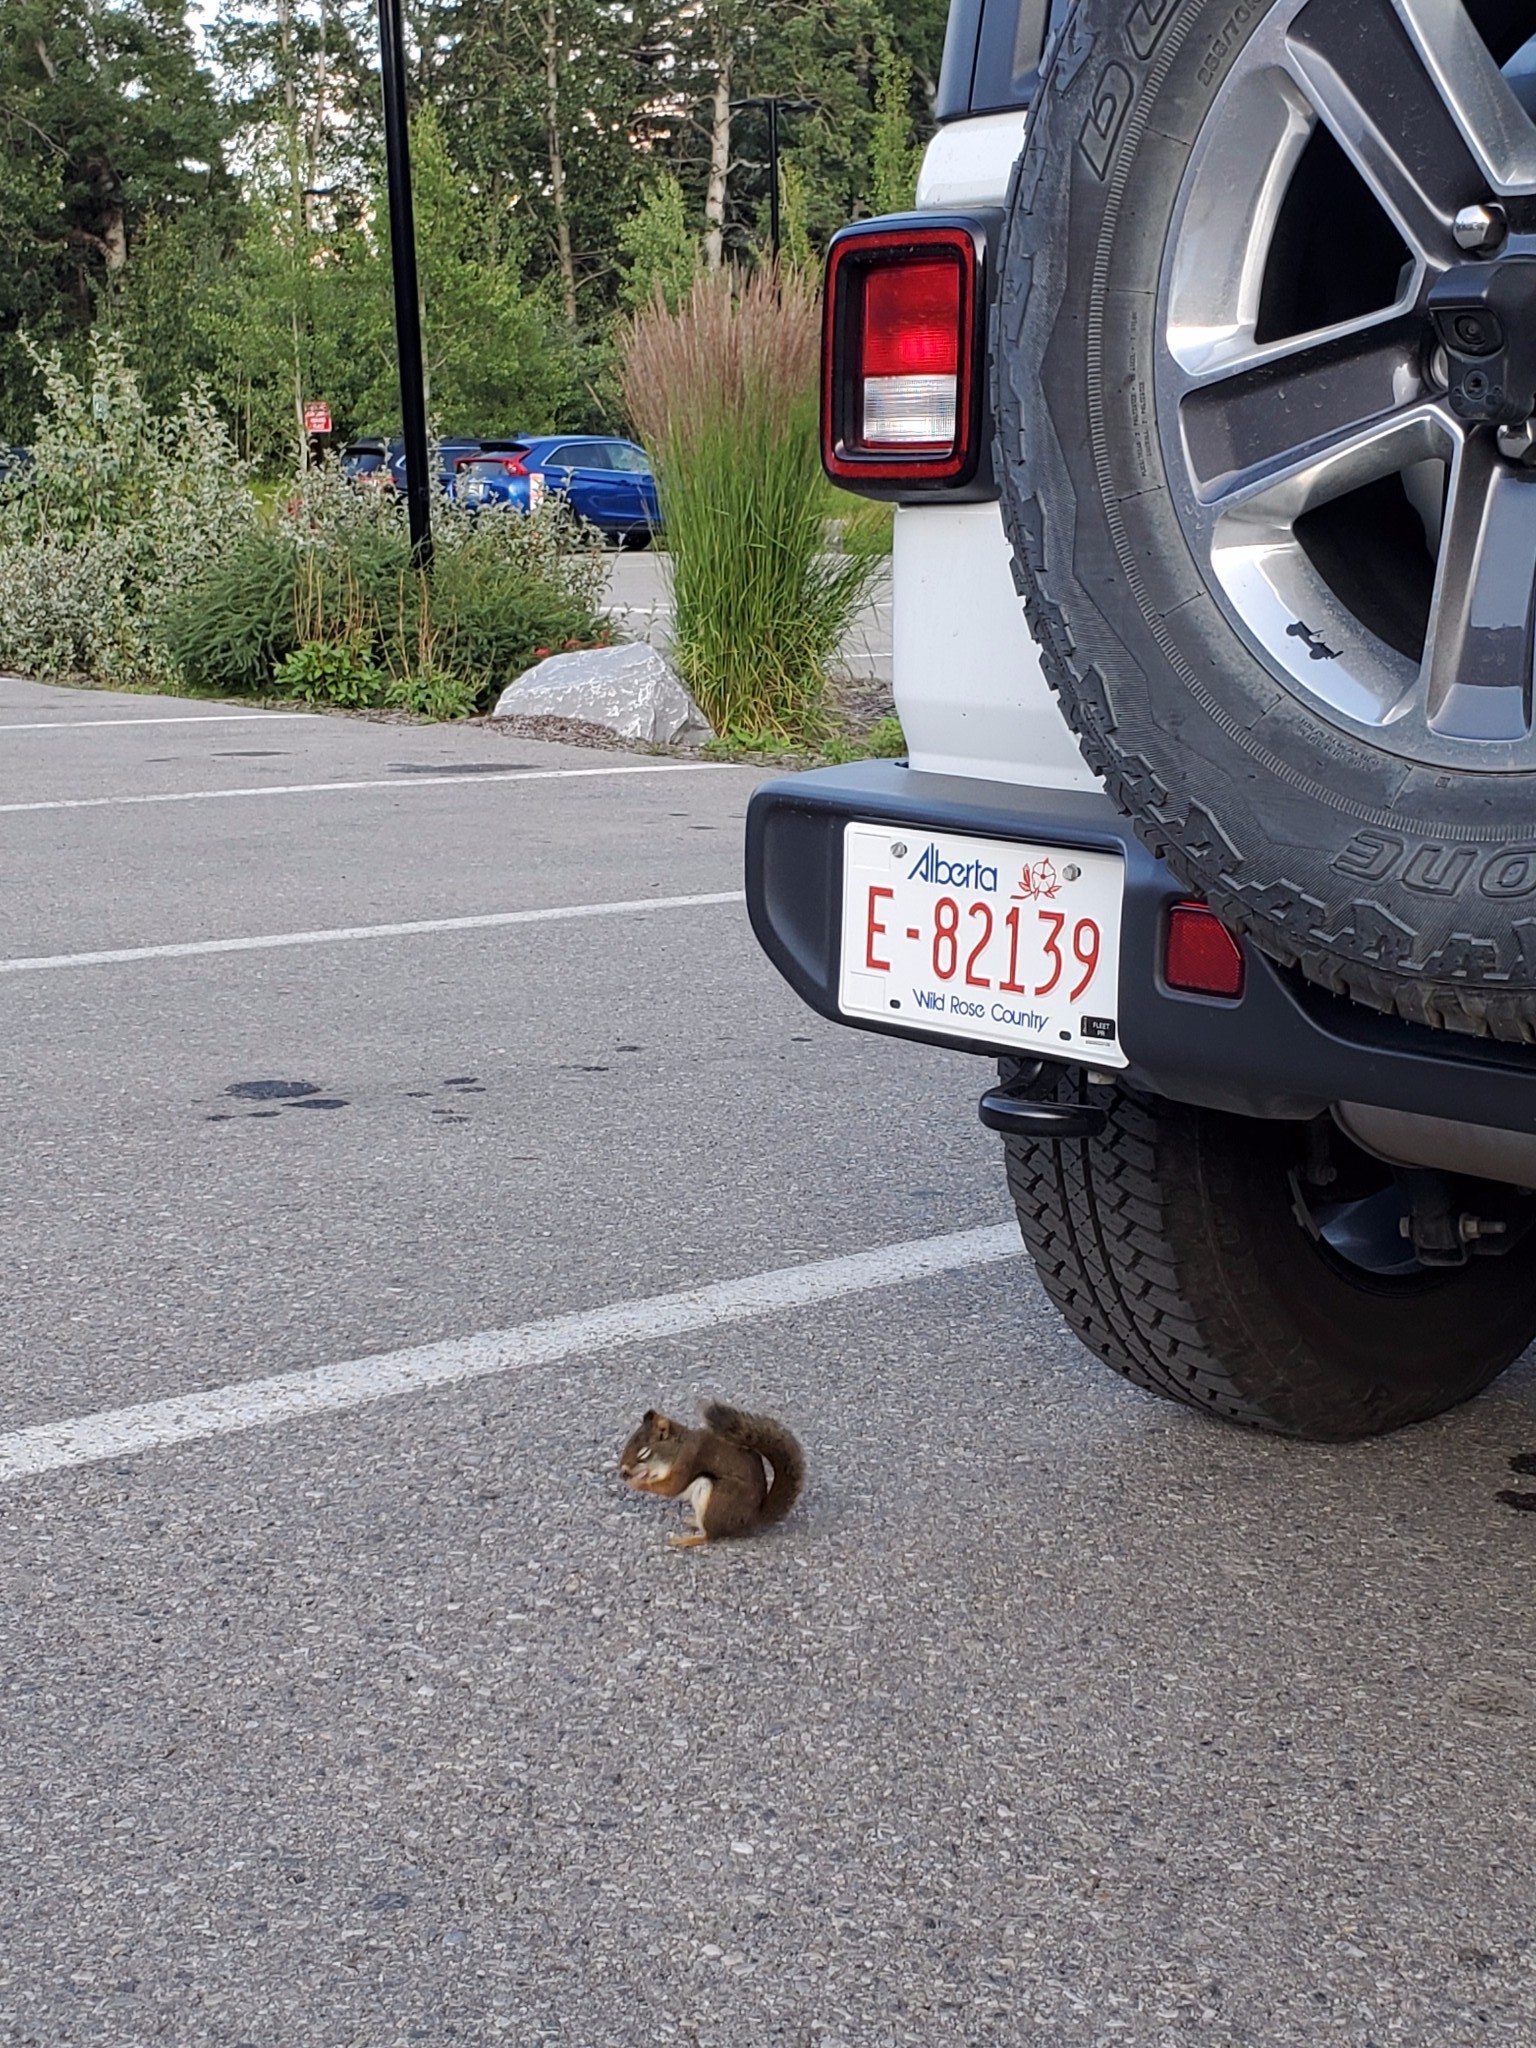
607	482
448	453
497	475
367	461
1219	842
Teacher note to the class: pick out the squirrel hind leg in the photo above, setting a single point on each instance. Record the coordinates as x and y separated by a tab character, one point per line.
696	1497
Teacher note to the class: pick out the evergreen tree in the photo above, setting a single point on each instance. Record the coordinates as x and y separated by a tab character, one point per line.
663	254
106	120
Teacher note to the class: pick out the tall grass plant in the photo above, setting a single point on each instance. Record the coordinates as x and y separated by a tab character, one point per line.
723	392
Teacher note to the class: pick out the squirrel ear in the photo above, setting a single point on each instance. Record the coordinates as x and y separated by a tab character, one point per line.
648	1418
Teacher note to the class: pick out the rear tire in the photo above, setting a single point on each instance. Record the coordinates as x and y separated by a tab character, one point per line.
1173	1247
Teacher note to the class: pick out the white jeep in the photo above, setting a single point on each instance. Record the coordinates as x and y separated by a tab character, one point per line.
1203	378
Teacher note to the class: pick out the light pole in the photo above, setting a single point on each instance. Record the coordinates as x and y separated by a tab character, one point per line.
773	106
402	251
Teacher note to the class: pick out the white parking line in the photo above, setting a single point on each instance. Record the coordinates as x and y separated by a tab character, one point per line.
193	796
189	949
257	1404
196	718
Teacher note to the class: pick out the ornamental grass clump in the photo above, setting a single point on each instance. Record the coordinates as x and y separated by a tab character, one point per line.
723	393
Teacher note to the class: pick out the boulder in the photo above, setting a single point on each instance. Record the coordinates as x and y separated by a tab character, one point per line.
631	690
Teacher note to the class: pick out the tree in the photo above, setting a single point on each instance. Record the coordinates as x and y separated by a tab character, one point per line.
309	314
106	120
894	156
663	254
550	111
499	359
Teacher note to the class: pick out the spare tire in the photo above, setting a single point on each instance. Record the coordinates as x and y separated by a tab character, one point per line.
1280	572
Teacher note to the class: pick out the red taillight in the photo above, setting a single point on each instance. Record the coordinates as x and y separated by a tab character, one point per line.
1201	957
900	370
910	358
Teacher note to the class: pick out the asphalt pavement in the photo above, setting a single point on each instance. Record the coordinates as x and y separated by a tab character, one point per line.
393	1113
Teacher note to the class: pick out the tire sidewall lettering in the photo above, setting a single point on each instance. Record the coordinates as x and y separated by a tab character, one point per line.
1434	868
1114	92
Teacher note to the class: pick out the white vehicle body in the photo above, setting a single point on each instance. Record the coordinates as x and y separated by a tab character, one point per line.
969	688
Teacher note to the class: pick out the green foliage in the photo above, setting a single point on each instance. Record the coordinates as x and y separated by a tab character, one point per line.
105	119
561	160
894	156
863	526
794	219
302	314
325	604
883	742
499	359
436	694
663	254
725	393
121	508
330	672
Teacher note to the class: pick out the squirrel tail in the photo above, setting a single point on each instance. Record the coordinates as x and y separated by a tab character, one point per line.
770	1440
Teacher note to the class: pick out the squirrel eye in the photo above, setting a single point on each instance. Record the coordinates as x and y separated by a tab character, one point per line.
645	1454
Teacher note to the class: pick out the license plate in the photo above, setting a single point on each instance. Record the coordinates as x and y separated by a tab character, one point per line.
996	940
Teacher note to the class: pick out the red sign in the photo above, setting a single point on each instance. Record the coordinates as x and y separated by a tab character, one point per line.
317	419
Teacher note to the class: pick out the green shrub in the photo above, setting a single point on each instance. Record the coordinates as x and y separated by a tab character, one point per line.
435	695
324	602
885	740
323	672
120	509
724	394
231	628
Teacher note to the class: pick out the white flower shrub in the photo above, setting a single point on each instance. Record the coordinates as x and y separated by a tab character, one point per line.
119	510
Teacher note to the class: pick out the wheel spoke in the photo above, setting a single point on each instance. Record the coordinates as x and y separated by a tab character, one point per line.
1316	406
1412	94
1477	673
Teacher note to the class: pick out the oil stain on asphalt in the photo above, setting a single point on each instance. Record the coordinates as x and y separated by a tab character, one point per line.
291	1094
308	1095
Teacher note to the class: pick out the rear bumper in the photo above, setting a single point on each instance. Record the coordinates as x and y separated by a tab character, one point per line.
1284	1049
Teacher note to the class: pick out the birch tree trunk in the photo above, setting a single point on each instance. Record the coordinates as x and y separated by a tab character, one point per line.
719	156
557	161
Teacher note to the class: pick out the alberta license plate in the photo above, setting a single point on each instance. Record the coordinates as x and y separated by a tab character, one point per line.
988	939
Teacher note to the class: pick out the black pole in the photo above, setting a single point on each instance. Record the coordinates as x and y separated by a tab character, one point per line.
402	250
773	177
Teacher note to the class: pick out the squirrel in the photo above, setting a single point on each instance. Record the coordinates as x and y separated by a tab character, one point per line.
717	1469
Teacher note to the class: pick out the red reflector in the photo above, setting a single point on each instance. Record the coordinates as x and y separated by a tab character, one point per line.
1202	957
912	320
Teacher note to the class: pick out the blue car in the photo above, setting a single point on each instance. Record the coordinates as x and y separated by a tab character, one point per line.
608	483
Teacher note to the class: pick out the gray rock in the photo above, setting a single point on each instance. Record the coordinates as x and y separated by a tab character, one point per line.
633	690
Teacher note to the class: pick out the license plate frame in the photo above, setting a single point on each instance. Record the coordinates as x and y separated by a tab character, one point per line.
1030	937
